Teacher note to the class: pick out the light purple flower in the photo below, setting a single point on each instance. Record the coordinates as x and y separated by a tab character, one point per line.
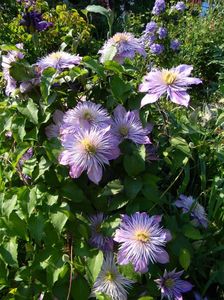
196	210
162	32
59	60
89	149
172	286
151	27
156	49
53	130
98	238
7	60
127	125
142	241
159	7
175	45
110	281
151	153
121	45
173	83
180	6
86	114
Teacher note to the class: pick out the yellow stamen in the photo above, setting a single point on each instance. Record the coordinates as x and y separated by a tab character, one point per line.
169	283
123	130
169	76
142	236
88	146
87	116
120	37
56	55
109	276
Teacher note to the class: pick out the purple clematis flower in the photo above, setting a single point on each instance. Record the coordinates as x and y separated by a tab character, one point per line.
86	114
89	149
7	60
174	83
121	45
175	45
156	49
172	286
98	239
127	125
142	241
180	6
151	27
162	32
33	20
59	60
196	210
159	7
53	130
110	281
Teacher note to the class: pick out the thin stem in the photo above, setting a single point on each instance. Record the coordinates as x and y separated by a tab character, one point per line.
71	269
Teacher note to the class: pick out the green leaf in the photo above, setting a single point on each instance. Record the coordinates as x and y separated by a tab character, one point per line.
132	187
29	110
180	144
9	205
80	288
191	232
94	65
18	129
98	9
185	258
59	218
47	78
114	66
109	53
36	227
94	265
8	252
22	71
119	88
112	188
146	298
3	274
71	191
134	164
43	166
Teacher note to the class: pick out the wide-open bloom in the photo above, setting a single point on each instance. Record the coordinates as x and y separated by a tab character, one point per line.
59	60
98	238
172	286
110	281
33	20
53	130
7	60
127	125
159	7
89	149
142	241
86	114
123	45
196	210
173	83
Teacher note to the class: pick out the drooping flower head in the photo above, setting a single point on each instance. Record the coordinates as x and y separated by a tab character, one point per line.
142	241
59	60
98	238
162	32
86	114
175	45
110	281
53	130
33	20
173	83
127	125
196	210
148	36
159	7
151	27
89	149
172	286
156	49
7	60
123	45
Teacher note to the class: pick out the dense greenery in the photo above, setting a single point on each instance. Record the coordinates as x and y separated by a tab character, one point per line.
45	214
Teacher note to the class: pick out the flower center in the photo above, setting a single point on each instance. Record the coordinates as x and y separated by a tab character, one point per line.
87	116
56	55
120	38
169	283
88	146
169	77
109	276
123	130
142	236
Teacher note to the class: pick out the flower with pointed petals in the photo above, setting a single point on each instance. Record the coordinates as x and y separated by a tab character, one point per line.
110	281
122	45
142	241
196	210
59	60
172	286
159	7
127	125
98	239
89	149
174	83
86	114
53	130
7	60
